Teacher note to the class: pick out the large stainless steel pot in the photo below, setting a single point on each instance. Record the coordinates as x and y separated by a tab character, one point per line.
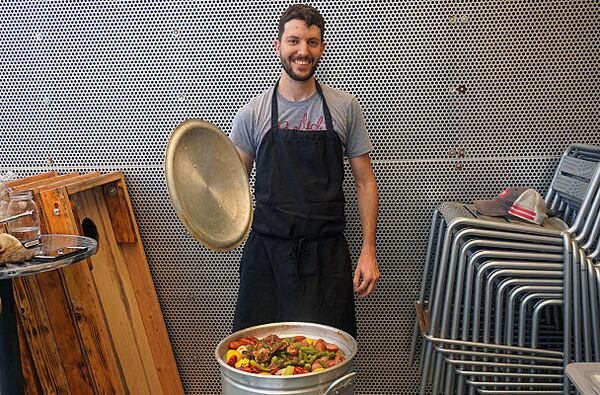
338	379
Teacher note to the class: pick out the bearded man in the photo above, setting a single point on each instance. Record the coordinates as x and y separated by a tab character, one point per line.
296	264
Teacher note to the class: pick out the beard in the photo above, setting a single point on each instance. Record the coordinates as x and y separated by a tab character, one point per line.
287	66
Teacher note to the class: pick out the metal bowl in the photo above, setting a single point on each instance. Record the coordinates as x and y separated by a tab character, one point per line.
208	185
338	379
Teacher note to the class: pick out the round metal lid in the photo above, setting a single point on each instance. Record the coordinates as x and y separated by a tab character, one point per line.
208	185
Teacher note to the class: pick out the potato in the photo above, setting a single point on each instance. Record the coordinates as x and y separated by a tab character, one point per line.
11	250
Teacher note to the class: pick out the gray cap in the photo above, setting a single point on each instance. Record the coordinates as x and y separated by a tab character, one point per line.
499	206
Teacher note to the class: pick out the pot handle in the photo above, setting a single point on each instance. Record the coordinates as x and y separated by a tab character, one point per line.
341	383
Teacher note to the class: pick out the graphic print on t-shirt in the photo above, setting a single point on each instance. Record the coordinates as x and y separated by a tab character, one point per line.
304	124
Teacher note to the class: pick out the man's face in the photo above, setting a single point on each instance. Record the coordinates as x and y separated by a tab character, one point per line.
300	49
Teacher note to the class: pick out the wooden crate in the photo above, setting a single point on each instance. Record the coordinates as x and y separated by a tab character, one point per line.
95	326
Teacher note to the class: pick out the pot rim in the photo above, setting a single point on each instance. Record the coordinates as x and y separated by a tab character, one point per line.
349	358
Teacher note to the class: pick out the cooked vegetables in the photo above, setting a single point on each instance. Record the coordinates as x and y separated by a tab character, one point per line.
282	356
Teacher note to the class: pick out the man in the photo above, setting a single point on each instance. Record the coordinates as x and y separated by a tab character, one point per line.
296	264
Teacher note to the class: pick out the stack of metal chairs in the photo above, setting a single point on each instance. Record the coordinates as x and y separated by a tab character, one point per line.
505	305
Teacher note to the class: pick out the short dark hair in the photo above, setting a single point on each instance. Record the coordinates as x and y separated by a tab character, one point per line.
310	15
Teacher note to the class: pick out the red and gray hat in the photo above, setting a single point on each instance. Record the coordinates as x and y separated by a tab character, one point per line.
530	206
524	203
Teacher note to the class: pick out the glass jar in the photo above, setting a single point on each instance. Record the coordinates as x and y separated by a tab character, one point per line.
4	200
26	228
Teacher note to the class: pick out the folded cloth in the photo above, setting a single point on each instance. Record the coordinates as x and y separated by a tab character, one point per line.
12	251
524	203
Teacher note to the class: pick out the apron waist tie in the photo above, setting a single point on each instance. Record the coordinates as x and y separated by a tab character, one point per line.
297	248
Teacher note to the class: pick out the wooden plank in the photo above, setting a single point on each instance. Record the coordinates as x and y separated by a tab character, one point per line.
87	311
65	332
89	184
147	299
55	183
58	307
120	216
118	298
31	179
36	184
21	291
32	382
40	337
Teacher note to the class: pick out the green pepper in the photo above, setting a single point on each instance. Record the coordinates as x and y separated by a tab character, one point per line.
323	363
289	371
327	354
281	355
308	350
258	365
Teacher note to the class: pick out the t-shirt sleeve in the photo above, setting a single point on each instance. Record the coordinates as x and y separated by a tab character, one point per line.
358	141
242	131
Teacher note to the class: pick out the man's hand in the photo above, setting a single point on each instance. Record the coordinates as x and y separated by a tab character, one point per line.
367	271
367	274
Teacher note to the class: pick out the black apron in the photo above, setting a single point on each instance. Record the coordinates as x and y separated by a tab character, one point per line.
296	264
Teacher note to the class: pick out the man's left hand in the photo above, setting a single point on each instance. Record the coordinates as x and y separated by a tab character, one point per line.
366	275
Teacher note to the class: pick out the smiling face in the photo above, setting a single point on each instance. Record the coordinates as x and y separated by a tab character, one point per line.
300	49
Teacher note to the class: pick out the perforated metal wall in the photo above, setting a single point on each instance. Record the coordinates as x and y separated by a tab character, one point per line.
461	99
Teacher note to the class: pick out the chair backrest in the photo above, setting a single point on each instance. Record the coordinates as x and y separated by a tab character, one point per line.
573	178
583	151
575	185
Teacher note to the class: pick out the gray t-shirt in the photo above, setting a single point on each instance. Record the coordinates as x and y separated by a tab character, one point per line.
253	120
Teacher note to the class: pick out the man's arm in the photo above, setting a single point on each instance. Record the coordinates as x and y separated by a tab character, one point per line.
367	271
247	160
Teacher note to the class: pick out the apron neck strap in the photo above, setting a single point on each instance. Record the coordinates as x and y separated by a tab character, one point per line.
275	110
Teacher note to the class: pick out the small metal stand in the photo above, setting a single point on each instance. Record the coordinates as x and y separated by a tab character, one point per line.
51	243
